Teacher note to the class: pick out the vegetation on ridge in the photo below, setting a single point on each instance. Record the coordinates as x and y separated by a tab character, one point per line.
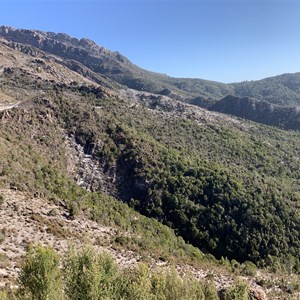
282	89
222	189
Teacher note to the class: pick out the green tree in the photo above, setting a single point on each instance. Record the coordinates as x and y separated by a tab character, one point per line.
81	276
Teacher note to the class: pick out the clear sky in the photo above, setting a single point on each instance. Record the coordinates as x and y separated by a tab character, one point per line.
221	40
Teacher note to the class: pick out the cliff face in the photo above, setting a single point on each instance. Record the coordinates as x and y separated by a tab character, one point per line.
259	111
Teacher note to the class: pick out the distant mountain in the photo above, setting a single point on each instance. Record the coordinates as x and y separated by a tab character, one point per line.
114	65
282	89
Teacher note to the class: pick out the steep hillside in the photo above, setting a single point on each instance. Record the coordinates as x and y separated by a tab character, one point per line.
183	171
260	111
113	70
283	89
172	180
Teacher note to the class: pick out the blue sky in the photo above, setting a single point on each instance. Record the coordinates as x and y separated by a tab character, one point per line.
223	40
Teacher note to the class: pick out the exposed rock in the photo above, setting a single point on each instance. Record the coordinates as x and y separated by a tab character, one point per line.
103	66
48	224
259	111
89	173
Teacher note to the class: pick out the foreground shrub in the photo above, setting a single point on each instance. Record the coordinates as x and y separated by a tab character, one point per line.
91	276
210	291
40	277
87	275
249	269
4	295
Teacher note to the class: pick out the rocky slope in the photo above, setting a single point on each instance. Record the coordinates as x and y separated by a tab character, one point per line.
75	145
37	221
260	111
100	65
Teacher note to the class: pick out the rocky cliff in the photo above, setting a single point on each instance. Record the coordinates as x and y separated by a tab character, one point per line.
259	111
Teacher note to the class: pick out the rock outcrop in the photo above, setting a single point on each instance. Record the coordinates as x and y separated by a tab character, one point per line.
259	111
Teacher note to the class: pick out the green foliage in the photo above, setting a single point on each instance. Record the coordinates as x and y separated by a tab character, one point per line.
40	277
82	276
237	292
90	276
166	284
235	187
8	294
229	190
87	275
249	268
210	291
3	295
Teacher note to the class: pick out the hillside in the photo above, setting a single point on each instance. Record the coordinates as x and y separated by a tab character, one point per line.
282	89
105	67
260	111
167	179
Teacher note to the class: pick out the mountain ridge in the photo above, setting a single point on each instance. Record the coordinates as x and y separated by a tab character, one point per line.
104	66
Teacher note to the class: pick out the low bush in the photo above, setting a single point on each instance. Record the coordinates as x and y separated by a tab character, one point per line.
40	277
237	292
87	275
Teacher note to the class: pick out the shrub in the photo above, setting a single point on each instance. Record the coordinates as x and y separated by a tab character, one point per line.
2	199
194	290
3	295
139	284
81	276
249	269
210	291
40	276
234	265
237	292
174	288
112	281
90	276
2	235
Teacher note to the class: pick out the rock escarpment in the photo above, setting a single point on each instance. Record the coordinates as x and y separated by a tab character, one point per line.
259	111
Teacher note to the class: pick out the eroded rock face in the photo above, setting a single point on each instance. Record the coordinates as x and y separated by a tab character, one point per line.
84	50
88	172
259	111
